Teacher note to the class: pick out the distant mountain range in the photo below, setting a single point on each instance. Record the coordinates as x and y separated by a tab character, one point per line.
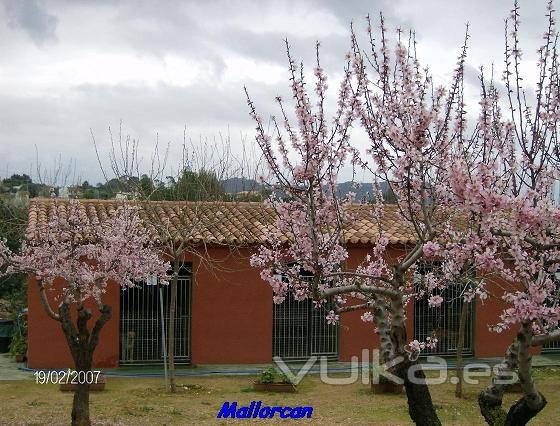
236	184
364	191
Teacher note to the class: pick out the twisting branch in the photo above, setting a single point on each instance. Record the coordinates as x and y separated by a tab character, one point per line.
45	302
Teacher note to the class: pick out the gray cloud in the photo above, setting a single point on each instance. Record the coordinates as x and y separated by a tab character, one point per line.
32	18
118	60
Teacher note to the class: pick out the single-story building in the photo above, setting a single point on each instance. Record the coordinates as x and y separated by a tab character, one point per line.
225	314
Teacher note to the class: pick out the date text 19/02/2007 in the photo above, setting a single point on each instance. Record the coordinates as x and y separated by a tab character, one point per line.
67	377
258	410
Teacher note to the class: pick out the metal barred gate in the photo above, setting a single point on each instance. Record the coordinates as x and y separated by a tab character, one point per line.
301	331
551	347
140	322
443	322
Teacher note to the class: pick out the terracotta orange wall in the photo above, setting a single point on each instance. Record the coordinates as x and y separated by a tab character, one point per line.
232	320
47	347
354	334
489	343
231	312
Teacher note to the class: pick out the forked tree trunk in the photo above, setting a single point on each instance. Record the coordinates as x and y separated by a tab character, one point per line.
490	400
82	345
532	401
460	345
171	328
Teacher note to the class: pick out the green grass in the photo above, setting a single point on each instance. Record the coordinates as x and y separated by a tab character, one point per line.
143	401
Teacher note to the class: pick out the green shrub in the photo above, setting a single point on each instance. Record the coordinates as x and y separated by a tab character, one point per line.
282	378
18	345
271	375
268	375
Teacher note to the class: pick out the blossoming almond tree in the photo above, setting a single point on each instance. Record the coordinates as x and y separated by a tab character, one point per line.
503	179
411	127
75	260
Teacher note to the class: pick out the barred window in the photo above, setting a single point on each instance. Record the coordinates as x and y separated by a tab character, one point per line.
140	322
443	322
301	331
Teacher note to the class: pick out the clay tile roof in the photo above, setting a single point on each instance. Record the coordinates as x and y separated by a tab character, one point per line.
223	223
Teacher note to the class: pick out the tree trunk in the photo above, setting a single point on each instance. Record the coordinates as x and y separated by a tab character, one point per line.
386	348
490	399
82	344
522	411
491	409
420	406
171	328
386	351
533	401
460	345
80	405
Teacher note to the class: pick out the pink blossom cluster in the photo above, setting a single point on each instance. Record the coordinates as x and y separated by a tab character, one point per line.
435	301
309	216
416	346
87	255
332	318
431	249
503	182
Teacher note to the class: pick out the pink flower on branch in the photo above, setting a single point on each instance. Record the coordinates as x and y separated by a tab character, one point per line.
332	318
435	301
431	249
88	256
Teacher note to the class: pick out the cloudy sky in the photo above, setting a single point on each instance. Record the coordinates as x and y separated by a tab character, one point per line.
70	66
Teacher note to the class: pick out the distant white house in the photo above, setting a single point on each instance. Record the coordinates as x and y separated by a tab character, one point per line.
122	195
70	192
63	192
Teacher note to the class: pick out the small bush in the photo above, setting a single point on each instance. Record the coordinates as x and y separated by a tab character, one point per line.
271	375
282	378
268	375
18	346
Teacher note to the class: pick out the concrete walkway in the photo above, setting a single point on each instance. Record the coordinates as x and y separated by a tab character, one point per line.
11	370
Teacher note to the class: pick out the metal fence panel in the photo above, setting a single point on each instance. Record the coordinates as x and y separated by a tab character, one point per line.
551	347
140	322
443	322
324	337
301	331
